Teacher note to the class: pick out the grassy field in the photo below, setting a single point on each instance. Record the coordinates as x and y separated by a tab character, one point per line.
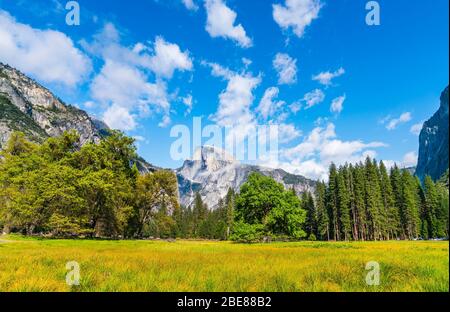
39	265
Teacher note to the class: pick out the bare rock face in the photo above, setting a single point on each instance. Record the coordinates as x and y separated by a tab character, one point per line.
212	173
433	149
27	106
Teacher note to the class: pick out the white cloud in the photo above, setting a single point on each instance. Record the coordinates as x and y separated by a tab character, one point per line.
168	58
417	128
286	67
326	78
320	148
269	105
49	56
119	117
295	107
190	5
235	100
89	104
220	23
234	103
288	133
394	123
125	89
188	101
337	105
296	14
123	82
410	160
313	98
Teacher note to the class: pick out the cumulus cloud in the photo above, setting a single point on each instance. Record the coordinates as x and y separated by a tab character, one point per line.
168	58
287	133
269	105
286	67
190	5
221	23
236	99
321	147
123	83
49	56
392	124
337	105
124	88
410	160
416	129
326	78
313	98
296	14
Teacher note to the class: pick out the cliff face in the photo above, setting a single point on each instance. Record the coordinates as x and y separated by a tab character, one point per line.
433	148
212	173
28	107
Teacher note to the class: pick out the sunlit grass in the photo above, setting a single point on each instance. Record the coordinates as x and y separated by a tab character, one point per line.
39	265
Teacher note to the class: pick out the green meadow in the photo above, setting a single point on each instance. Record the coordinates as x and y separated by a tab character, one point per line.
35	265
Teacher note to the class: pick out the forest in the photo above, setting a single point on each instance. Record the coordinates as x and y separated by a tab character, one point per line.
62	189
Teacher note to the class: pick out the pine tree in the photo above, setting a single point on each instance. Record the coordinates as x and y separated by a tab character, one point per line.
373	200
409	211
431	206
323	226
360	215
391	213
311	215
343	198
332	203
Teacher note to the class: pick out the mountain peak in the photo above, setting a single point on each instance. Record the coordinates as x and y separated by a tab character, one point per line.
209	153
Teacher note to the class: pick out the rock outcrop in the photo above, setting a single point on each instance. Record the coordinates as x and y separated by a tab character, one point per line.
212	172
433	148
28	107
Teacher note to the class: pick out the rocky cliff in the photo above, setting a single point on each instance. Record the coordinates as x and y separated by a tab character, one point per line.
212	172
28	107
433	148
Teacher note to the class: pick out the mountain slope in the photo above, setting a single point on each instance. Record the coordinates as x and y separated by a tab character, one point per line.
212	173
433	148
31	108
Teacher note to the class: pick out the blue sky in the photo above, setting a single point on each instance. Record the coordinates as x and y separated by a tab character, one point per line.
146	66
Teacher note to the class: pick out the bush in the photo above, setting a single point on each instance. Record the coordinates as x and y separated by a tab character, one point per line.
312	237
247	233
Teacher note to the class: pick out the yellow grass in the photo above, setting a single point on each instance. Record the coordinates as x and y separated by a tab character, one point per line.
155	266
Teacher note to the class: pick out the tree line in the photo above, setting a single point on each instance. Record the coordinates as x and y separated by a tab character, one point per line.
62	189
366	202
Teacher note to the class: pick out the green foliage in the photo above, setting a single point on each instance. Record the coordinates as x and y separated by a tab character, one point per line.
248	233
263	201
364	202
63	189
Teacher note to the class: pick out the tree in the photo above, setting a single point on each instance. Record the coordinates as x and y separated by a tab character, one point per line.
343	203
311	214
392	220
153	192
323	228
431	207
409	211
373	200
263	201
332	202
